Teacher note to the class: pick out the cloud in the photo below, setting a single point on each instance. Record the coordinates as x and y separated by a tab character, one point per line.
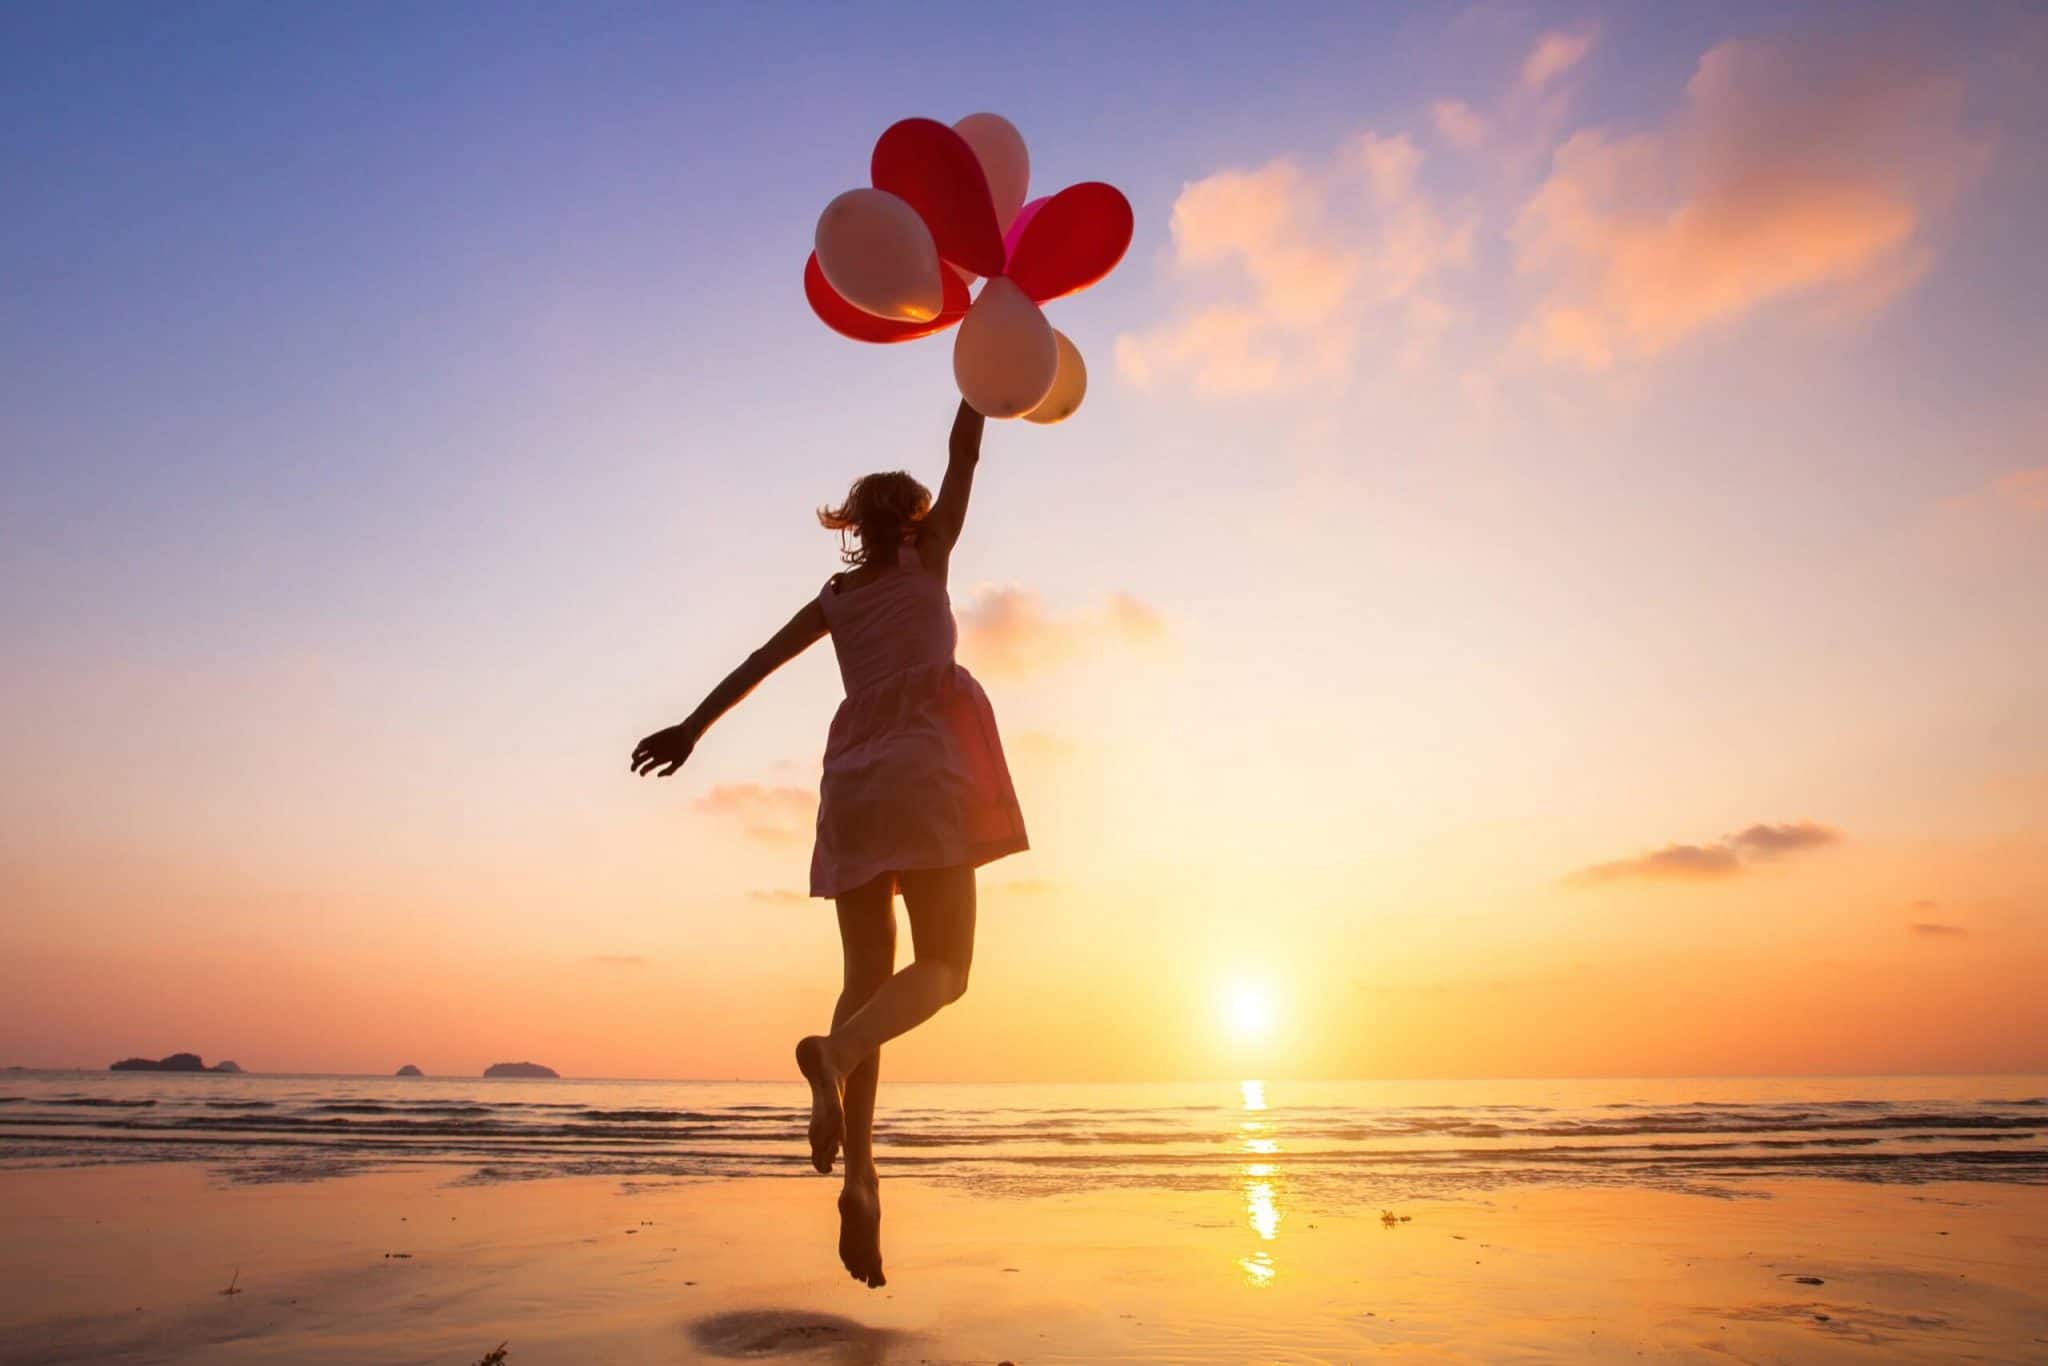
1789	172
1460	124
2000	526
1769	841
619	960
1709	862
1683	862
779	897
1007	631
773	815
1929	930
1295	260
2016	497
2025	491
1555	53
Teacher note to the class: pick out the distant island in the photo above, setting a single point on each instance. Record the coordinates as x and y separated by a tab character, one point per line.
409	1071
226	1065
519	1069
176	1062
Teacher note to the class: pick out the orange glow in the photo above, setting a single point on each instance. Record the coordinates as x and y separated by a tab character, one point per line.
1480	529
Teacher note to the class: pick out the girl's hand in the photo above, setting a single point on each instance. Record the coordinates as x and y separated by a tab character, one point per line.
665	747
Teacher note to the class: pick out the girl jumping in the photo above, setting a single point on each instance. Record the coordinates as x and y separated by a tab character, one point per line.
915	796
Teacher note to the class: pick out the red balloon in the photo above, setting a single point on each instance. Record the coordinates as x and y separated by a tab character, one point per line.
931	166
848	321
1075	240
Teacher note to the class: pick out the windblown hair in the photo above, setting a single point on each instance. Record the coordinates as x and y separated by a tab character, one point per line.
882	510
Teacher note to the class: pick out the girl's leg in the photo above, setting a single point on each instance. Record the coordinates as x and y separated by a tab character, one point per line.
867	935
867	941
941	906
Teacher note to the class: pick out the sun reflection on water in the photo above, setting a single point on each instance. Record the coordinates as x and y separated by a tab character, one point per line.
1262	1208
1261	1186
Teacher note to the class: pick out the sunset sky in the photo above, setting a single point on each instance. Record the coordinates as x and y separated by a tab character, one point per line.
1550	578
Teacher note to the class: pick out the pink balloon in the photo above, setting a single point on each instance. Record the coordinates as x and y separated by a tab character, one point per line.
1021	222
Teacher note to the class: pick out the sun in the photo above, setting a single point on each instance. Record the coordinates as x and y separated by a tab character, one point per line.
1248	1010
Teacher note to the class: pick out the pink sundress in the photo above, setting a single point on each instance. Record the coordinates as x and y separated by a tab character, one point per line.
914	772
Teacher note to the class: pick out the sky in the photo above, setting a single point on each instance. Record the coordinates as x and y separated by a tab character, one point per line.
1547	580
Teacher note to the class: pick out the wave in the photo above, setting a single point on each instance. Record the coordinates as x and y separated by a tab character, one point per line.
101	1103
1346	1140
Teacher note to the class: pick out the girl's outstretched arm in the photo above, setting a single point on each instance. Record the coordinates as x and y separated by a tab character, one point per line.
942	524
663	752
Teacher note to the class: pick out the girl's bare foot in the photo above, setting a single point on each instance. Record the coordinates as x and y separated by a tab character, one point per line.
860	1232
828	1103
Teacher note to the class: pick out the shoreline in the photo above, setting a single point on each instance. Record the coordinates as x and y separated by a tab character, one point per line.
128	1264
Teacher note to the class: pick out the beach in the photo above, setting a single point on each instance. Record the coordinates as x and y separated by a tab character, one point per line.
151	1217
129	1264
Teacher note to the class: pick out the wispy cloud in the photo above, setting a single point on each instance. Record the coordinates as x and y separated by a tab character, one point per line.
1678	862
1928	929
2019	496
2001	525
1294	260
778	896
1709	862
1770	841
618	960
1007	631
1459	123
1790	171
1555	53
772	815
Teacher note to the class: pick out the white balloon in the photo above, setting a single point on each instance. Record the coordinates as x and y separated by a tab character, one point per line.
999	147
878	254
1069	385
1005	357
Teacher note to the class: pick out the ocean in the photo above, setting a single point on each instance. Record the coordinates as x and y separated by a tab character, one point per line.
1351	1143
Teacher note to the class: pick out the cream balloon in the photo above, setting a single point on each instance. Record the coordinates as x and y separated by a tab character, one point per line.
1005	357
999	147
1069	385
878	255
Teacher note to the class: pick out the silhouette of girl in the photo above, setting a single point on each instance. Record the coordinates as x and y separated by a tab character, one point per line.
915	796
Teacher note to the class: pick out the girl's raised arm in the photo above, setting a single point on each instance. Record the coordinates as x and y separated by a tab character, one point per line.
942	524
666	749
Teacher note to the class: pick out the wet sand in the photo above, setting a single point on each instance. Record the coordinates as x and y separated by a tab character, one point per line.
127	1264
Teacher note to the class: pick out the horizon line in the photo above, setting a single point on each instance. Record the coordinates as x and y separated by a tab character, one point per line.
1219	1079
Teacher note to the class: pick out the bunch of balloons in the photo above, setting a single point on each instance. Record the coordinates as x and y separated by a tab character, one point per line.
948	206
